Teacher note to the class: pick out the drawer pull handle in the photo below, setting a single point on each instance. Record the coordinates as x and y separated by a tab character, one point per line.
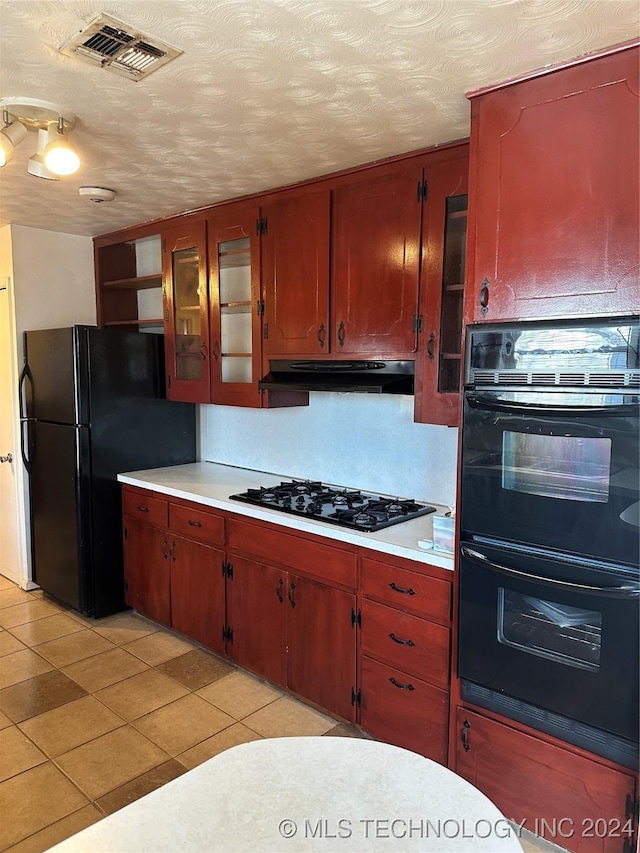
401	686
194	523
401	589
143	508
402	642
172	551
165	552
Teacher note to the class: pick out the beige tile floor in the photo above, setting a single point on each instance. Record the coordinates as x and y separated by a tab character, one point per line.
95	714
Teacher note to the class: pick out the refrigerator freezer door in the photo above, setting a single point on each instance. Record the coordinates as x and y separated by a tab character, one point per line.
61	512
56	375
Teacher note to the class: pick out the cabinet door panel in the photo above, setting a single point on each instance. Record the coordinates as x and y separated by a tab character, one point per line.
295	275
256	615
555	170
147	572
234	287
530	780
322	645
404	710
415	645
197	592
375	264
444	234
186	312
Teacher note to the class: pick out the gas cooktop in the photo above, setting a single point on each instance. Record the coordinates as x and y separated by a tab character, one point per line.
344	507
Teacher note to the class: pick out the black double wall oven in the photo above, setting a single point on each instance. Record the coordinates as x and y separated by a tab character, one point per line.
549	530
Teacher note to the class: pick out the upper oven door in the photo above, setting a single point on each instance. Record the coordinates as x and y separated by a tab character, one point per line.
554	469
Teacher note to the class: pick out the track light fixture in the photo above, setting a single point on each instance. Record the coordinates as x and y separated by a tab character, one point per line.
55	155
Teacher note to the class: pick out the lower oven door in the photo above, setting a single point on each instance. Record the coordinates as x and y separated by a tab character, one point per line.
560	636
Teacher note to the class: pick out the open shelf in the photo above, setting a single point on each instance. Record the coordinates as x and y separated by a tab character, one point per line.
140	282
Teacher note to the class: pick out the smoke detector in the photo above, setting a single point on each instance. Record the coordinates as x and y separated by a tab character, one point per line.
97	194
120	48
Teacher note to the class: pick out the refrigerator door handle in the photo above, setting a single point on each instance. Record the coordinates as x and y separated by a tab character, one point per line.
24	426
24	375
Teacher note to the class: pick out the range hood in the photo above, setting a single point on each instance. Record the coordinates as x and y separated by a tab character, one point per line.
360	377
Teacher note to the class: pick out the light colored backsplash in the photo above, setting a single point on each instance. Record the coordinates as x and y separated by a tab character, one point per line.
364	441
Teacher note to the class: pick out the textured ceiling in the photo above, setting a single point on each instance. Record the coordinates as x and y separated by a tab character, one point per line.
267	92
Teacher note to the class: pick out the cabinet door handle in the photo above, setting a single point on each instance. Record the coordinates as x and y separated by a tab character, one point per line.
143	508
292	588
484	296
402	642
341	334
322	334
279	590
401	686
430	343
464	736
194	523
165	553
172	551
203	350
401	589
215	349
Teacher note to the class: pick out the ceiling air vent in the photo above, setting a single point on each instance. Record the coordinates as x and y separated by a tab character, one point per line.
120	48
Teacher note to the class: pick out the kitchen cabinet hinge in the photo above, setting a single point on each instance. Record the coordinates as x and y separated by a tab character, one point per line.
356	618
227	570
423	191
262	226
227	634
356	698
416	323
265	331
631	807
260	307
168	380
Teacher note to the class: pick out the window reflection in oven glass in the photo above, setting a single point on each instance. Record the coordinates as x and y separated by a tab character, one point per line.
570	635
557	466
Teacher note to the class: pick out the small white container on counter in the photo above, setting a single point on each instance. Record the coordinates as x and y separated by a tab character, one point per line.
443	533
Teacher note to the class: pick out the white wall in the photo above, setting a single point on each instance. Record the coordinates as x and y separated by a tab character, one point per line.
365	441
53	286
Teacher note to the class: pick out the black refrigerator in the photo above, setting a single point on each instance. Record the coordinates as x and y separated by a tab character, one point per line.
92	405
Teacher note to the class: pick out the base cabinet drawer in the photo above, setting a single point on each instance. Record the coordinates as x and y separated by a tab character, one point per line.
404	710
406	590
566	798
198	524
414	645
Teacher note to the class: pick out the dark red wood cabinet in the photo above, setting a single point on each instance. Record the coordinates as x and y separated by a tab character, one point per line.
376	263
442	274
186	311
147	570
256	622
295	274
291	613
405	655
173	561
564	797
554	193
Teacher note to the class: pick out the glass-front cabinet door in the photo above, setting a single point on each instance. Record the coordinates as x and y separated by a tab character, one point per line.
444	236
186	315
234	286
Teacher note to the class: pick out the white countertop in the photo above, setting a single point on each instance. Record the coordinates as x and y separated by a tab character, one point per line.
293	794
211	484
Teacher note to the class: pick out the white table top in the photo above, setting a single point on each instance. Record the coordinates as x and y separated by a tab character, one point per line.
211	484
292	794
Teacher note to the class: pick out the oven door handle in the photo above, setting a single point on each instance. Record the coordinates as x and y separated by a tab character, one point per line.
630	591
490	404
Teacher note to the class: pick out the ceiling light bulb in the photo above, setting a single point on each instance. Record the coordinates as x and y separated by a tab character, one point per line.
10	136
36	165
59	157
